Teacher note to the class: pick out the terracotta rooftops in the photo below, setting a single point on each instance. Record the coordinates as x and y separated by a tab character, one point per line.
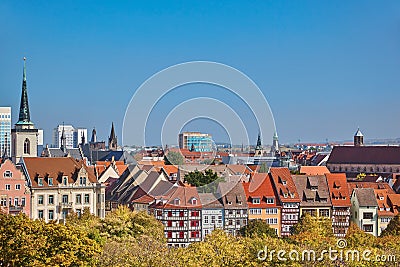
313	190
366	197
260	186
284	185
338	189
56	168
314	170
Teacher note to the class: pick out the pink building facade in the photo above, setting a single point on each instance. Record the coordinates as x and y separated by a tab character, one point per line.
14	194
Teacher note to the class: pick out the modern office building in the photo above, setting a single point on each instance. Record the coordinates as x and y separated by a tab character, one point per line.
73	136
196	141
5	131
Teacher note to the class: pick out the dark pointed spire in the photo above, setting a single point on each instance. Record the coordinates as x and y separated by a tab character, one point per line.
83	140
94	138
63	140
24	115
112	140
259	141
5	152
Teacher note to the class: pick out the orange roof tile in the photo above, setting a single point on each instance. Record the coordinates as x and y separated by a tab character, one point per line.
260	186
283	182
338	189
314	170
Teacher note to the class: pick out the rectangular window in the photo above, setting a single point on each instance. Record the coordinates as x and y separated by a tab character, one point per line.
50	199
368	228
40	199
17	187
50	181
8	187
16	202
181	235
65	199
7	174
40	214
256	201
51	215
86	198
324	213
3	201
79	213
205	219
270	200
169	234
78	199
23	202
367	215
40	181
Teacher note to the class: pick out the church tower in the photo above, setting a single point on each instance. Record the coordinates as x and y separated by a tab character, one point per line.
112	140
259	152
275	144
24	136
358	138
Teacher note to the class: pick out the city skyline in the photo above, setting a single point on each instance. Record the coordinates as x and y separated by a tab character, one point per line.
325	70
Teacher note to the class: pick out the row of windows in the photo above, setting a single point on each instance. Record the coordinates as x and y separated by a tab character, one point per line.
5	116
51	214
181	235
65	198
272	220
17	202
267	211
17	187
213	219
257	200
82	181
365	169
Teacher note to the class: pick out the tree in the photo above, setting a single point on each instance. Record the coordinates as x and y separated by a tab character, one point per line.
174	158
257	228
263	168
393	227
206	182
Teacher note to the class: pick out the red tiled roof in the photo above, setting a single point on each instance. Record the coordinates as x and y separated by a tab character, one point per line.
338	188
380	185
184	194
365	155
55	168
260	186
278	176
314	170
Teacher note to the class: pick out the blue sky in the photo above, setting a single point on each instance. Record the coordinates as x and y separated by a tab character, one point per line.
325	67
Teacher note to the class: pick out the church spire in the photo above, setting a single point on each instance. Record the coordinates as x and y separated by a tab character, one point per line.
112	140
24	115
63	140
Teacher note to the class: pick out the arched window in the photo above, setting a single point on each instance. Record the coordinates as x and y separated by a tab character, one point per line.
27	146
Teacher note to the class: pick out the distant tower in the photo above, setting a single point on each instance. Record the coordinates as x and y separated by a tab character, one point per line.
358	138
259	150
24	136
94	137
112	140
275	144
63	146
83	140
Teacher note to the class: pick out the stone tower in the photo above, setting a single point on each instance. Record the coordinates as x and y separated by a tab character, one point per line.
24	136
358	138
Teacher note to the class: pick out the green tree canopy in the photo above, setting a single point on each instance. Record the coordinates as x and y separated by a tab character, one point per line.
207	182
393	227
257	228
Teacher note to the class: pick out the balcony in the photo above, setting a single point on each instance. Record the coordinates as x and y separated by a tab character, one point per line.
15	208
66	205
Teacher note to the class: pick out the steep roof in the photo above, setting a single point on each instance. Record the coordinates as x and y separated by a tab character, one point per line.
183	194
284	185
210	201
56	168
309	196
260	186
365	155
338	189
366	197
351	184
232	195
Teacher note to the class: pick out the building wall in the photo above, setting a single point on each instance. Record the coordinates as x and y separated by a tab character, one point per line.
363	168
211	219
290	216
202	142
316	211
357	216
41	201
14	194
181	226
270	215
383	222
18	137
5	130
234	219
340	220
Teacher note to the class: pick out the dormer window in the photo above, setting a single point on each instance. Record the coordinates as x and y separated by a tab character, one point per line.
65	180
82	180
256	200
7	174
270	200
285	195
381	197
50	181
314	188
177	201
40	181
194	201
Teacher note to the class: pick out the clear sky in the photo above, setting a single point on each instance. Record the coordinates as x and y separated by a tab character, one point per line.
325	67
